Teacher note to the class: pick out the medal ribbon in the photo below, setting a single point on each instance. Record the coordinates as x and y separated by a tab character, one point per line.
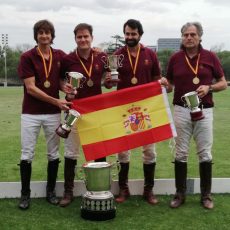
136	61
44	62
89	73
195	71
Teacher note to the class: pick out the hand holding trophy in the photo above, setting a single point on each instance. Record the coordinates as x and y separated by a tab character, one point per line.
74	78
192	100
113	62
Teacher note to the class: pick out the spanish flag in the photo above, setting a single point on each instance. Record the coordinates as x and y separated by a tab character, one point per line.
122	120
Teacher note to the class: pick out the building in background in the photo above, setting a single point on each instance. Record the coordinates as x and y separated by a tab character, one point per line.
168	44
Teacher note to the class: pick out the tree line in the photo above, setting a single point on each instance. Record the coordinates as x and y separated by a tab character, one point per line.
13	55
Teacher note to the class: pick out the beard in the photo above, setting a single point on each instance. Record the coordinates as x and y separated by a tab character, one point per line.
131	42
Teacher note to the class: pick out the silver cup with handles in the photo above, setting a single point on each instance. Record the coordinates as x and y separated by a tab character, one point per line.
71	117
113	62
192	100
98	202
76	79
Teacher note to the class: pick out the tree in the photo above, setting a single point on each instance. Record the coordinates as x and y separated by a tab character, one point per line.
224	57
163	57
12	60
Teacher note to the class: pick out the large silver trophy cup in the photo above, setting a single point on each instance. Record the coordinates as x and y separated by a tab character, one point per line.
71	117
192	100
76	79
113	62
98	202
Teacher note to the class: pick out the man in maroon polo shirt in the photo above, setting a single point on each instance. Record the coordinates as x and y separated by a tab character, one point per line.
194	69
39	68
139	66
89	63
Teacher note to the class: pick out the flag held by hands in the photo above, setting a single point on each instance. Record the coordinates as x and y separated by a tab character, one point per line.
123	120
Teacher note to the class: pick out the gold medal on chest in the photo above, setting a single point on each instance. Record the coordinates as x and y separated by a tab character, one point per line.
90	83
196	80
134	80
47	84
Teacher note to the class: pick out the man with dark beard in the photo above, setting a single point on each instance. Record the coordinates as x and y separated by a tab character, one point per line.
140	66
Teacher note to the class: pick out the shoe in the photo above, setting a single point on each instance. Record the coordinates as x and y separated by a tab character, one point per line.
207	202
51	198
150	197
24	202
123	196
66	200
177	200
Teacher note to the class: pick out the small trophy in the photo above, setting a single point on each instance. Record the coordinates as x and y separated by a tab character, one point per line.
74	78
192	101
71	117
113	62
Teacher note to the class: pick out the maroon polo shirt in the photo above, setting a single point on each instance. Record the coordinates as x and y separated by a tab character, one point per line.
30	65
147	68
181	75
71	63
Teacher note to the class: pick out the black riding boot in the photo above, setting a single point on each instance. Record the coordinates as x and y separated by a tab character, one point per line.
25	171
206	184
52	170
180	180
69	174
123	183
149	171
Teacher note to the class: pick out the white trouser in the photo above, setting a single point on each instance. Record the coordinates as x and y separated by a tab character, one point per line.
72	144
202	132
30	129
148	156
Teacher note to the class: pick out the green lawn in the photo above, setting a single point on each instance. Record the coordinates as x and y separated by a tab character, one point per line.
10	107
135	213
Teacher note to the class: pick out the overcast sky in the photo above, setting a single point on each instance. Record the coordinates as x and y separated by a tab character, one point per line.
160	19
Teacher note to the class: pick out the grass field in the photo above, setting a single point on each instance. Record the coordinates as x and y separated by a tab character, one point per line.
134	214
10	107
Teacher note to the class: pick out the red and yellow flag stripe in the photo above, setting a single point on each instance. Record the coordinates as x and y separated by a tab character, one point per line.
122	120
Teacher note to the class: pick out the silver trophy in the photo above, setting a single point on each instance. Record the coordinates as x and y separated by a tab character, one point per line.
76	79
192	100
72	116
113	62
98	202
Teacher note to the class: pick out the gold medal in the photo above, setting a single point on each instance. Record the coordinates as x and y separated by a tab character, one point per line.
90	83
134	80
47	84
196	80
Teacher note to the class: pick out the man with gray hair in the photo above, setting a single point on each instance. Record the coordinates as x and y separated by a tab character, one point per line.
194	69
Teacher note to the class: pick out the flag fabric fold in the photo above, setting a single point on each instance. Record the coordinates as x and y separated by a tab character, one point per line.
122	120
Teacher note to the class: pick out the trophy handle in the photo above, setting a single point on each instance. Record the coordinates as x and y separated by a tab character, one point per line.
104	59
120	59
183	100
82	81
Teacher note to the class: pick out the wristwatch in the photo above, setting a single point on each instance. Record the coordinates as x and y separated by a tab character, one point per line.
210	89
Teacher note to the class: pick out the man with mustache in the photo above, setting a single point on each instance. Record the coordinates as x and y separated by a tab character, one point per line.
140	66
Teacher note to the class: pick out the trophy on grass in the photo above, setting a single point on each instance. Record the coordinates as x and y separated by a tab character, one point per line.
192	100
98	202
113	62
71	117
76	79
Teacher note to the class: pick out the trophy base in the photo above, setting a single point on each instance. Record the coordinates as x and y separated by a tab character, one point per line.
62	132
196	116
98	206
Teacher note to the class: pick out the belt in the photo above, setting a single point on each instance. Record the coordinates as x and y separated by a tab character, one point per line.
202	105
